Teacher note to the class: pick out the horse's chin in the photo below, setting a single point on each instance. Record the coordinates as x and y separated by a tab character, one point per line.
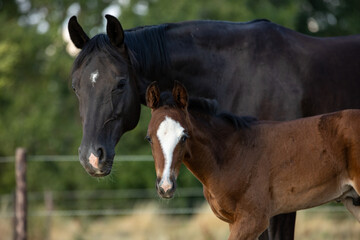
98	172
166	195
102	173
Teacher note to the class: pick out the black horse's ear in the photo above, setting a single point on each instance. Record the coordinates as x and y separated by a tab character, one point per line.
153	96
115	31
77	34
180	95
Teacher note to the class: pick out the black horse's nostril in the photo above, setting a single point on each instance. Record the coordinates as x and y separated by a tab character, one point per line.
100	153
96	159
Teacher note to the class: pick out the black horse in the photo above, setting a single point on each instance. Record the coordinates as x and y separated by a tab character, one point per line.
257	68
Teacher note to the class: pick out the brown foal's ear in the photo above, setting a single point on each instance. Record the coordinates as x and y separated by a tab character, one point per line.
77	34
180	95
153	96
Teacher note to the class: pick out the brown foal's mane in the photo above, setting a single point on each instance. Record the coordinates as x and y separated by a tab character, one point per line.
209	107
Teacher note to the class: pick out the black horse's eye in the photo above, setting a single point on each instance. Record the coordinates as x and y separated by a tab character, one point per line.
121	82
148	139
184	137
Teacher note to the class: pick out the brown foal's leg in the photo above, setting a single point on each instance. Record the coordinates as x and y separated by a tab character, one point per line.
248	226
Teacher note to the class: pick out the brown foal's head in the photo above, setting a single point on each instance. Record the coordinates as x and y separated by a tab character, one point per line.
167	134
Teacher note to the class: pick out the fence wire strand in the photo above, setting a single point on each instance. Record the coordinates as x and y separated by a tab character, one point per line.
75	158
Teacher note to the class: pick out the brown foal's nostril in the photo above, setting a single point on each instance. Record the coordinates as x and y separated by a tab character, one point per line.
166	186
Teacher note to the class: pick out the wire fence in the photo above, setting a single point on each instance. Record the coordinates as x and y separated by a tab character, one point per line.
75	158
100	195
130	194
62	202
47	210
60	198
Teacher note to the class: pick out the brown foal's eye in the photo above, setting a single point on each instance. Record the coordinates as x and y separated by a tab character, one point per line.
184	137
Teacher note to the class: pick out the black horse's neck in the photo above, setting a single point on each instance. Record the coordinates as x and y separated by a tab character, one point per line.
195	53
148	54
147	44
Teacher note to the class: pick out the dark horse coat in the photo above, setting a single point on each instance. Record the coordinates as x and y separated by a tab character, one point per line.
257	68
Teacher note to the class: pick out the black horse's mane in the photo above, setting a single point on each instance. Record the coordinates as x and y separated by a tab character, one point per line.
210	107
147	44
146	47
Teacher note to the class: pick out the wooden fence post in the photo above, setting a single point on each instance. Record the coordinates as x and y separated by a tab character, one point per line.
49	205
20	195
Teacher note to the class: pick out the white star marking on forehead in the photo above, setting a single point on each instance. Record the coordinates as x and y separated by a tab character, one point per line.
168	133
93	77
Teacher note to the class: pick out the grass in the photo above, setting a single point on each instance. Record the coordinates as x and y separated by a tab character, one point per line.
333	225
151	226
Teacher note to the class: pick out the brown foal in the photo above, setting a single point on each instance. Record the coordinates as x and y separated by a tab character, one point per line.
253	170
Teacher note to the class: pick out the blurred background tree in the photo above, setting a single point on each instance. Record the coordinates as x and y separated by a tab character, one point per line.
39	110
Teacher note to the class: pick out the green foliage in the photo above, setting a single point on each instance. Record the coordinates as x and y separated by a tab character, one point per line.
133	141
230	10
334	18
8	55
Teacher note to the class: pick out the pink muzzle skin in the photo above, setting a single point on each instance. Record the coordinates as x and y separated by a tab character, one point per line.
94	161
166	185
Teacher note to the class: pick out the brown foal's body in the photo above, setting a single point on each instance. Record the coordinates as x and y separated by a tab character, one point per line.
251	174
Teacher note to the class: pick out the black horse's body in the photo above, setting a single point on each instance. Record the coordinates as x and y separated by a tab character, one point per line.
257	68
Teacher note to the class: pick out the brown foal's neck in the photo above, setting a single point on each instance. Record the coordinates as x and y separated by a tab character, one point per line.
206	147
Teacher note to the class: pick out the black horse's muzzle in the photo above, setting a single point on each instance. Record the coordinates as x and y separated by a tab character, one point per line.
96	161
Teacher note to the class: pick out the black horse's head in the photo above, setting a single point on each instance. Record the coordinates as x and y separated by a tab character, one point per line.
109	104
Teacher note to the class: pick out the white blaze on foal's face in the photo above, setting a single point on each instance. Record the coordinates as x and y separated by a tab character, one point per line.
169	134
